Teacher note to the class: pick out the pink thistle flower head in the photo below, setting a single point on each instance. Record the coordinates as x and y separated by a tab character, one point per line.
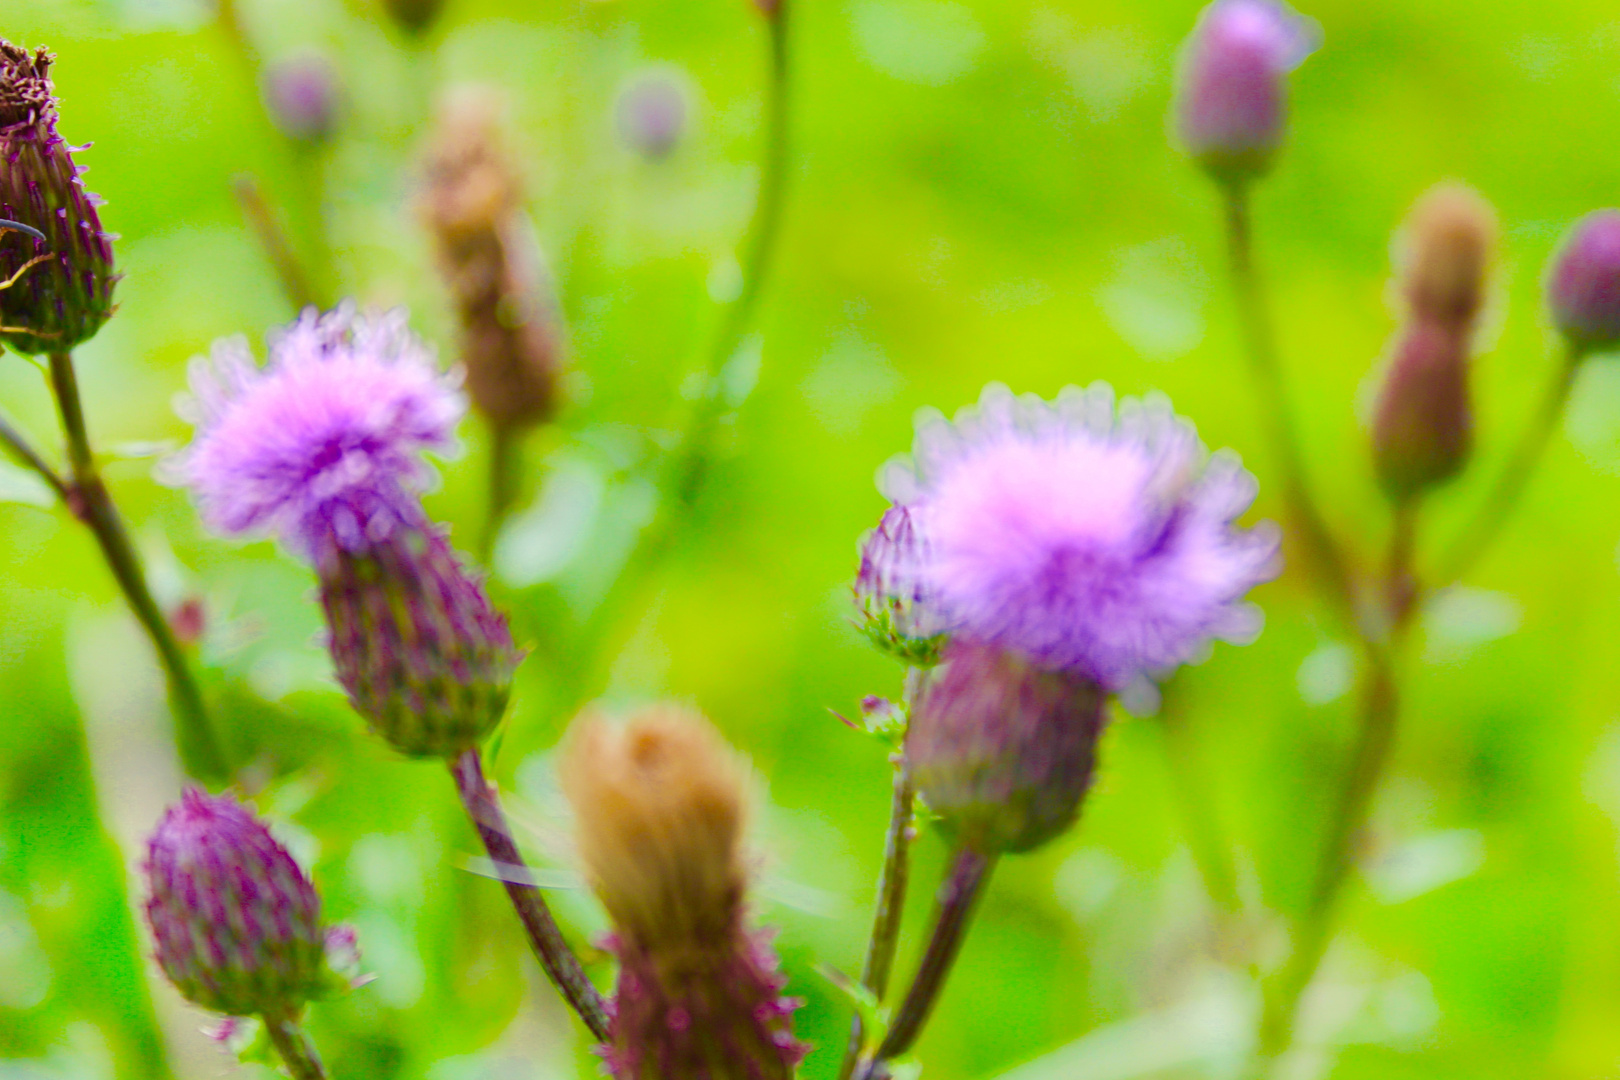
1232	96
1088	540
1583	283
322	447
236	921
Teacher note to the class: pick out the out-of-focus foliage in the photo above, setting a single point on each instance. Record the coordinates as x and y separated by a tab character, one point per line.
981	190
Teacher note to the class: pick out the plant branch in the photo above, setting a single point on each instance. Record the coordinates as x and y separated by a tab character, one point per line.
273	238
295	1047
561	965
28	457
91	503
1192	798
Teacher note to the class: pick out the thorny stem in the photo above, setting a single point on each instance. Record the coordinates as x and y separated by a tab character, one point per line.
273	238
1510	485
91	503
1261	348
26	455
1375	739
958	897
294	1046
683	477
891	903
561	965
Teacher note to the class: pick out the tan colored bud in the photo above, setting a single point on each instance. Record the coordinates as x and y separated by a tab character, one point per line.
1448	244
472	204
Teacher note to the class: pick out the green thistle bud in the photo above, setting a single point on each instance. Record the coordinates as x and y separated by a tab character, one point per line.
55	292
1003	751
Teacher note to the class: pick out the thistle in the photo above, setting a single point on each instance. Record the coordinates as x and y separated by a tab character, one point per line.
652	114
236	921
1231	105
303	95
659	805
323	449
56	274
1583	283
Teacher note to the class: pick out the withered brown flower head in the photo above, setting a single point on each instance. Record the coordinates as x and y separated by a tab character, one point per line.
472	204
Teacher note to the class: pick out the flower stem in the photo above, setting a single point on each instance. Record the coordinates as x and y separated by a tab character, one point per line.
1192	797
505	470
294	1046
1327	561
24	453
958	897
683	478
891	904
277	246
1510	485
561	965
90	501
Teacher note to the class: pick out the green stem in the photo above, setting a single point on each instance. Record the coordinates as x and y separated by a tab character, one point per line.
958	897
90	501
278	248
683	477
1499	505
295	1047
24	453
505	469
561	965
1193	800
1327	561
891	903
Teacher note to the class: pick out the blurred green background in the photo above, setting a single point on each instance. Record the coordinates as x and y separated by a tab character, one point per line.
980	190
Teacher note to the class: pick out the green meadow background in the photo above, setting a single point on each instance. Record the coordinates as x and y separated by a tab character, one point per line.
980	190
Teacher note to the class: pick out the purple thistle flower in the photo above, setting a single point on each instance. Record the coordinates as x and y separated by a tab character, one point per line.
1232	96
321	447
1097	544
236	921
61	286
1583	284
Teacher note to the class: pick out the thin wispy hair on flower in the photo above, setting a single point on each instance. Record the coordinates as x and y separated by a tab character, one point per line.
322	447
1094	540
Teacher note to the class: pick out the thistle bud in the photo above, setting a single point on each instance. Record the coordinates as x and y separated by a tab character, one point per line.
303	95
1001	750
1422	424
422	654
1449	240
511	344
1232	96
899	619
54	293
413	16
659	805
652	113
236	921
1583	286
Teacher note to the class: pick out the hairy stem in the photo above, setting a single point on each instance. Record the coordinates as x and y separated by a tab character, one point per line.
1260	343
294	1046
1499	504
958	897
90	501
891	903
561	965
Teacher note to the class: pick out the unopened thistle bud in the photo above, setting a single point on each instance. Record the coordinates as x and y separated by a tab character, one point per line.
413	16
1583	285
424	657
1232	96
1002	750
897	616
54	292
322	448
1422	424
236	921
652	114
511	344
660	805
304	96
1446	252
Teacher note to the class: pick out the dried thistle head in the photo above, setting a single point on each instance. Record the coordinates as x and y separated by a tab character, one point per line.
472	205
660	807
1447	248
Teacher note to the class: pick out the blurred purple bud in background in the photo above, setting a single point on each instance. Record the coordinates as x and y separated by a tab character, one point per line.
304	95
1583	285
1231	103
413	16
1423	425
653	111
